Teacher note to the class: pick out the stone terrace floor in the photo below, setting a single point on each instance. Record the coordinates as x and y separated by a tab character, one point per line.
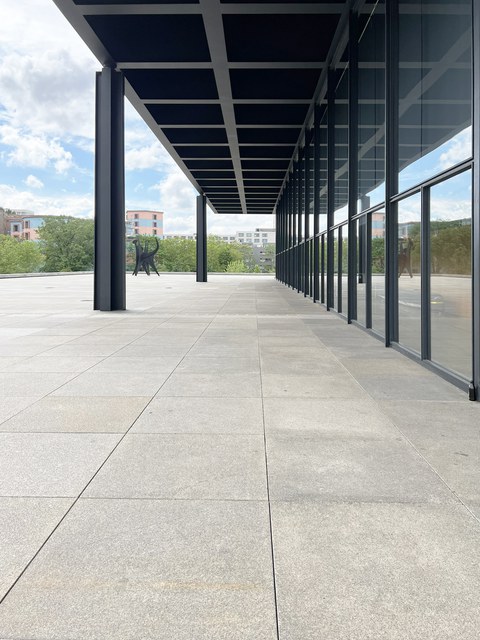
226	461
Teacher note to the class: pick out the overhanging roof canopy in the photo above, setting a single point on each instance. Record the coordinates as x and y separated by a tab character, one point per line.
226	85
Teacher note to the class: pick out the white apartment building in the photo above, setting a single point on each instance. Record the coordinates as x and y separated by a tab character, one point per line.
260	237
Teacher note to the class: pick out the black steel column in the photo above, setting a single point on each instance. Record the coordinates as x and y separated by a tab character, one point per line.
352	164
368	271
109	271
316	203
425	273
475	390
330	183
306	197
391	174
201	239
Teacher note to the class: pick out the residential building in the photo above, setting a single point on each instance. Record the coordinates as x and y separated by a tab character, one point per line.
144	223
181	236
259	237
20	224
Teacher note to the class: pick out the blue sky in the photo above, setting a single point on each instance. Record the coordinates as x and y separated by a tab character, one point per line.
47	77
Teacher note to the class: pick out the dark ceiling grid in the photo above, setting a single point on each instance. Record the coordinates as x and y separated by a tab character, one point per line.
230	101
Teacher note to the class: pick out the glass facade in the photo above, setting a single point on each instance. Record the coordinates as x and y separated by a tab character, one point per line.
341	147
377	252
371	112
391	173
434	88
409	272
450	227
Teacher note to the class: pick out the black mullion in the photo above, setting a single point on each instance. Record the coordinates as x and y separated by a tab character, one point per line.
425	274
391	172
330	182
316	203
352	163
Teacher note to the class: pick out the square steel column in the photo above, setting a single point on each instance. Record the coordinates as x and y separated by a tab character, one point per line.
109	278
201	239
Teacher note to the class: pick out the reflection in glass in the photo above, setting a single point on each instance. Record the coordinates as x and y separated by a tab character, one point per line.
361	232
378	272
341	148
451	273
408	271
435	77
371	110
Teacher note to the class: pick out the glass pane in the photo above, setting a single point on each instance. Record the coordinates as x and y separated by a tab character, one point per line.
323	262
335	269
451	273
378	272
323	176
300	197
409	276
362	270
435	77
310	152
371	111
341	148
344	268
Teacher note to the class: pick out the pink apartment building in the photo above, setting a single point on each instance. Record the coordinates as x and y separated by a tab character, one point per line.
23	227
147	223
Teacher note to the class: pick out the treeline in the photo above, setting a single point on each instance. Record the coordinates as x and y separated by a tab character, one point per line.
179	254
67	244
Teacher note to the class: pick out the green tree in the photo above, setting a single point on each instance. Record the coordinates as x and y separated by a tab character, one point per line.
19	256
174	254
270	255
246	251
236	266
221	253
67	244
378	255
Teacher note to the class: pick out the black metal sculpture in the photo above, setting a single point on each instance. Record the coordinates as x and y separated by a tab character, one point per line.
145	259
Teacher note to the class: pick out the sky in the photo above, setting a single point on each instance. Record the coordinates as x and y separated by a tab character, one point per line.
47	78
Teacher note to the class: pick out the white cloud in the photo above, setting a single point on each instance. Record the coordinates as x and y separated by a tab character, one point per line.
458	148
176	198
33	182
80	205
29	150
152	156
37	25
222	225
48	91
